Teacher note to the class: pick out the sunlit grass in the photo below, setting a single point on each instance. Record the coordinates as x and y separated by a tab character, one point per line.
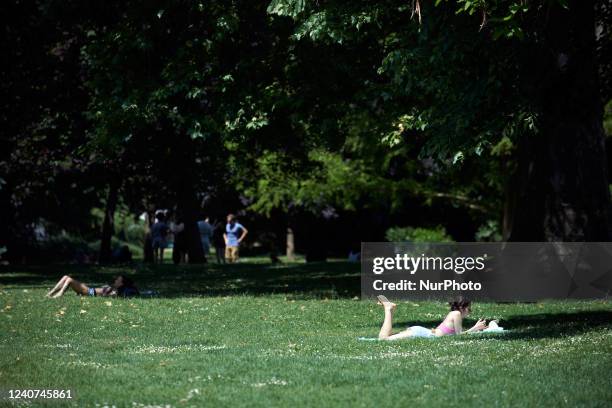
255	335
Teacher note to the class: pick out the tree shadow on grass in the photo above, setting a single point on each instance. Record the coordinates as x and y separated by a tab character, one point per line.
296	281
549	325
313	280
533	326
546	325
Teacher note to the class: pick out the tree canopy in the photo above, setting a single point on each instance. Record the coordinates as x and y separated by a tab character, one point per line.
487	110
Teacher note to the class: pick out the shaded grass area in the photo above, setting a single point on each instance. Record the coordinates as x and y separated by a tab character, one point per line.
254	276
259	335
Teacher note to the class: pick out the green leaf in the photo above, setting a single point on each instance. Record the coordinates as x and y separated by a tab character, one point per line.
289	8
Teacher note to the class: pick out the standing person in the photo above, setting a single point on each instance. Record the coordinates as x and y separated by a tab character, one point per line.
232	241
206	233
148	239
219	242
179	246
159	235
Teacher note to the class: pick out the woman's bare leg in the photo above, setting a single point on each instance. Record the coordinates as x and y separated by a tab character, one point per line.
59	284
77	286
387	326
401	335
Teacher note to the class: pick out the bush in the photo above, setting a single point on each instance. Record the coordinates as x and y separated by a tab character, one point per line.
490	231
62	248
411	234
134	234
136	250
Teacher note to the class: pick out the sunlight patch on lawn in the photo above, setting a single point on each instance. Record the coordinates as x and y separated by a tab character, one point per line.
90	364
151	349
271	381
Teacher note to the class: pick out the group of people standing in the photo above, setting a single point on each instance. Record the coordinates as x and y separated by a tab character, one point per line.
225	239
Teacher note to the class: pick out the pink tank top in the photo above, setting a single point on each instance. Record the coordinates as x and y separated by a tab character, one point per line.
445	329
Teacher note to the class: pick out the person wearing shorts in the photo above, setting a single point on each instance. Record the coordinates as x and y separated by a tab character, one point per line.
232	239
452	324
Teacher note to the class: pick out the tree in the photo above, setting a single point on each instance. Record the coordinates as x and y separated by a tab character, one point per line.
561	186
45	176
524	81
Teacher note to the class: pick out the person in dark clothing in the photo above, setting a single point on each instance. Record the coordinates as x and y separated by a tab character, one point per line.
219	242
179	248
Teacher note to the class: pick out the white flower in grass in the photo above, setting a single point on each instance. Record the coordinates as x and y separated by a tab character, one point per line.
93	364
272	381
191	394
176	349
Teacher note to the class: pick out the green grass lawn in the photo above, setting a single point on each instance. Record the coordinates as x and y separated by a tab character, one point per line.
258	335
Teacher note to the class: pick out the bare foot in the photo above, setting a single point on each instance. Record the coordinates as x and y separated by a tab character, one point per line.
386	303
58	294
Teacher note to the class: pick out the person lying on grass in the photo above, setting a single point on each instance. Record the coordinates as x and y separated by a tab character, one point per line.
121	286
452	323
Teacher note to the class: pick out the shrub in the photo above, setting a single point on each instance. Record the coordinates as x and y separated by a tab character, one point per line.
62	248
411	234
490	231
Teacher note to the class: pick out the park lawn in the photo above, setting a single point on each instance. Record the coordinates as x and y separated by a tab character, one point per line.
258	335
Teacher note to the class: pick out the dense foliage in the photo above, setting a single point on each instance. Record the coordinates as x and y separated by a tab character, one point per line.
483	116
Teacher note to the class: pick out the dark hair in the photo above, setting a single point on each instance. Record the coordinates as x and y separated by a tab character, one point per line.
160	216
460	303
127	287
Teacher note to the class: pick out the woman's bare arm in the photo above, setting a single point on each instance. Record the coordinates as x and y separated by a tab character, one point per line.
244	232
458	322
480	325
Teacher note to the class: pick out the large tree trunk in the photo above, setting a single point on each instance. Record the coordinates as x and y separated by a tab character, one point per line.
108	225
189	209
315	238
185	183
562	184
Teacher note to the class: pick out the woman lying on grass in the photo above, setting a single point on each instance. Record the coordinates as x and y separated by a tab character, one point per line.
452	323
121	286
